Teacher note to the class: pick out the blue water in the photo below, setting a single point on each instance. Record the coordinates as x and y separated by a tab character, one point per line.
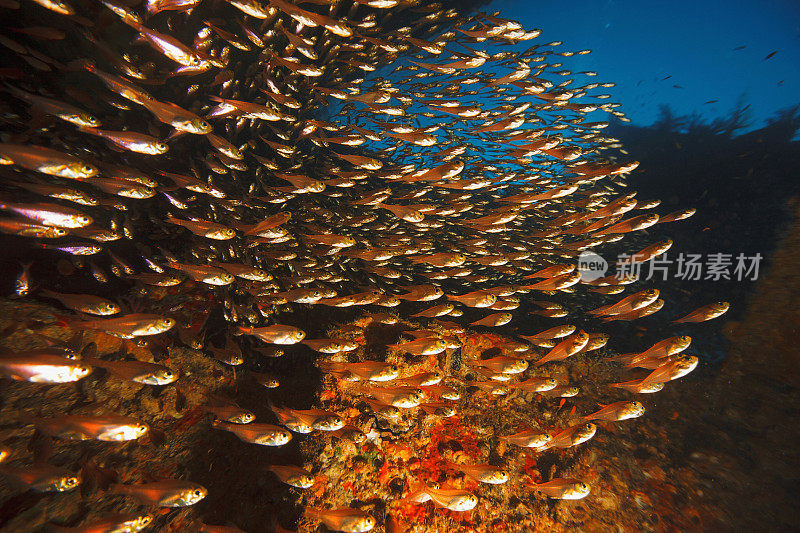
639	43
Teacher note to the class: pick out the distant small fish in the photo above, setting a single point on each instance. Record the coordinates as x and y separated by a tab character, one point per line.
347	519
292	475
42	366
165	493
563	489
22	285
43	477
770	55
707	312
115	522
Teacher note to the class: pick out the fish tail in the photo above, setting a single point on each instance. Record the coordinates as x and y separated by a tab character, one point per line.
314	513
44	292
82	64
28	419
118	488
329	366
89	129
152	7
13	90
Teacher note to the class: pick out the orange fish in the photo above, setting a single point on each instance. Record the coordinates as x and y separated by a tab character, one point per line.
671	370
129	326
256	433
292	475
135	142
555	283
629	303
495	319
276	334
637	313
552	271
206	274
137	371
677	215
42	477
630	224
572	436
569	346
704	313
365	371
646	254
635	386
424	346
84	303
46	161
617	411
421	293
111	428
42	366
347	519
535	384
475	299
563	488
204	228
130	522
458	500
165	493
483	473
55	108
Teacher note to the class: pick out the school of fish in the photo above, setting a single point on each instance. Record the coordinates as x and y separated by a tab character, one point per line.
432	170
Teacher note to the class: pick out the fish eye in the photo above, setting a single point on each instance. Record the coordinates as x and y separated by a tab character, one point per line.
198	492
161	147
87	168
146	520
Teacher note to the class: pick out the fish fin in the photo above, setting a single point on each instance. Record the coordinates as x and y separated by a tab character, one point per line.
41	446
89	351
156	436
81	64
96	476
174	134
